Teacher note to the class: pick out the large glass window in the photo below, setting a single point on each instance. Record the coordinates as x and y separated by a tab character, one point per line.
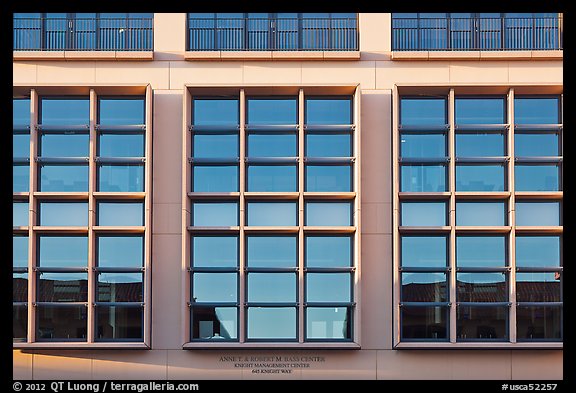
481	251
423	178
328	214
215	112
480	144
538	213
328	111
471	110
215	214
63	214
536	110
272	145
215	178
272	213
423	112
423	213
120	213
480	178
328	178
272	178
271	111
481	213
20	214
118	111
271	251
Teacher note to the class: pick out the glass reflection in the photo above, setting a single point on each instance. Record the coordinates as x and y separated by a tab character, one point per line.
119	287
120	213
537	251
424	251
64	145
119	323
480	110
423	213
480	178
272	213
271	287
121	178
63	213
536	110
121	144
481	287
328	287
328	251
19	323
424	287
480	145
328	178
121	111
20	178
21	145
61	111
21	111
215	251
536	145
215	145
19	287
328	145
537	178
214	287
538	287
61	322
215	214
63	251
63	178
272	178
328	111
215	112
271	111
482	323
539	323
480	213
423	178
271	251
333	323
19	251
214	323
328	213
19	214
216	178
424	323
538	213
422	145
481	251
272	323
62	287
120	251
272	145
423	111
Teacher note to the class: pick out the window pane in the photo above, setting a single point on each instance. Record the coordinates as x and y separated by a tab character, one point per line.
481	213
218	323
215	112
62	287
328	287
271	111
328	213
19	287
271	251
215	145
538	323
536	110
64	145
215	251
121	111
63	251
328	145
119	287
328	178
482	323
424	287
215	214
538	287
269	178
121	145
271	323
20	214
63	213
19	323
272	213
19	251
21	145
423	178
480	178
480	110
536	145
424	251
121	178
481	251
120	213
119	323
419	323
214	287
21	111
20	178
538	213
422	145
272	145
63	178
481	287
536	177
328	251
216	178
480	145
537	251
61	322
120	251
423	213
57	111
271	287
423	111
332	323
328	111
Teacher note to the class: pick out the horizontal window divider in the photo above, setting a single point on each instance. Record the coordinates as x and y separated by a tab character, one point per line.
271	160
266	344
271	269
20	160
20	229
538	127
121	304
424	195
483	229
119	269
61	304
258	195
84	128
475	195
484	304
116	195
482	127
216	128
440	127
541	304
41	269
423	160
20	304
212	304
342	269
272	229
230	229
543	269
120	160
20	128
271	127
213	269
540	229
481	160
120	229
483	269
330	160
329	127
214	195
62	160
425	269
425	304
329	304
20	196
60	229
329	195
411	344
121	128
330	229
431	229
215	160
551	160
273	342
48	195
20	270
271	304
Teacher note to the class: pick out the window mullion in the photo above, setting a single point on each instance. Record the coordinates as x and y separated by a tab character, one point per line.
92	276
452	217
32	242
301	183
512	220
242	328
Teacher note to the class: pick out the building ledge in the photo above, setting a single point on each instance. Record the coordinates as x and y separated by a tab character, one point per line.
480	345
479	55
270	345
83	55
80	345
270	55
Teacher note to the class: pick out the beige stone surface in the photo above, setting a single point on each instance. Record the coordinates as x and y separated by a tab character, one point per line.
378	38
342	365
169	32
66	72
21	365
138	365
24	72
192	365
489	72
536	72
155	73
340	72
376	218
167	218
390	72
480	364
537	365
202	73
413	365
59	364
286	72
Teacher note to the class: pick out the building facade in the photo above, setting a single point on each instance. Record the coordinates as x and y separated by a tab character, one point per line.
287	196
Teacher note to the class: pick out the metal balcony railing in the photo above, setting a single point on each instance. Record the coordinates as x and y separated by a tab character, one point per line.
272	34
91	34
460	34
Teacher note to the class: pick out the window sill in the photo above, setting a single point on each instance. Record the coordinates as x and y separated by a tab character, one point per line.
479	55
272	345
79	345
83	55
480	345
270	55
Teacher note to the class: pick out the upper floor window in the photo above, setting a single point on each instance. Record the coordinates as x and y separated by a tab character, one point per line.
476	31
272	31
83	31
